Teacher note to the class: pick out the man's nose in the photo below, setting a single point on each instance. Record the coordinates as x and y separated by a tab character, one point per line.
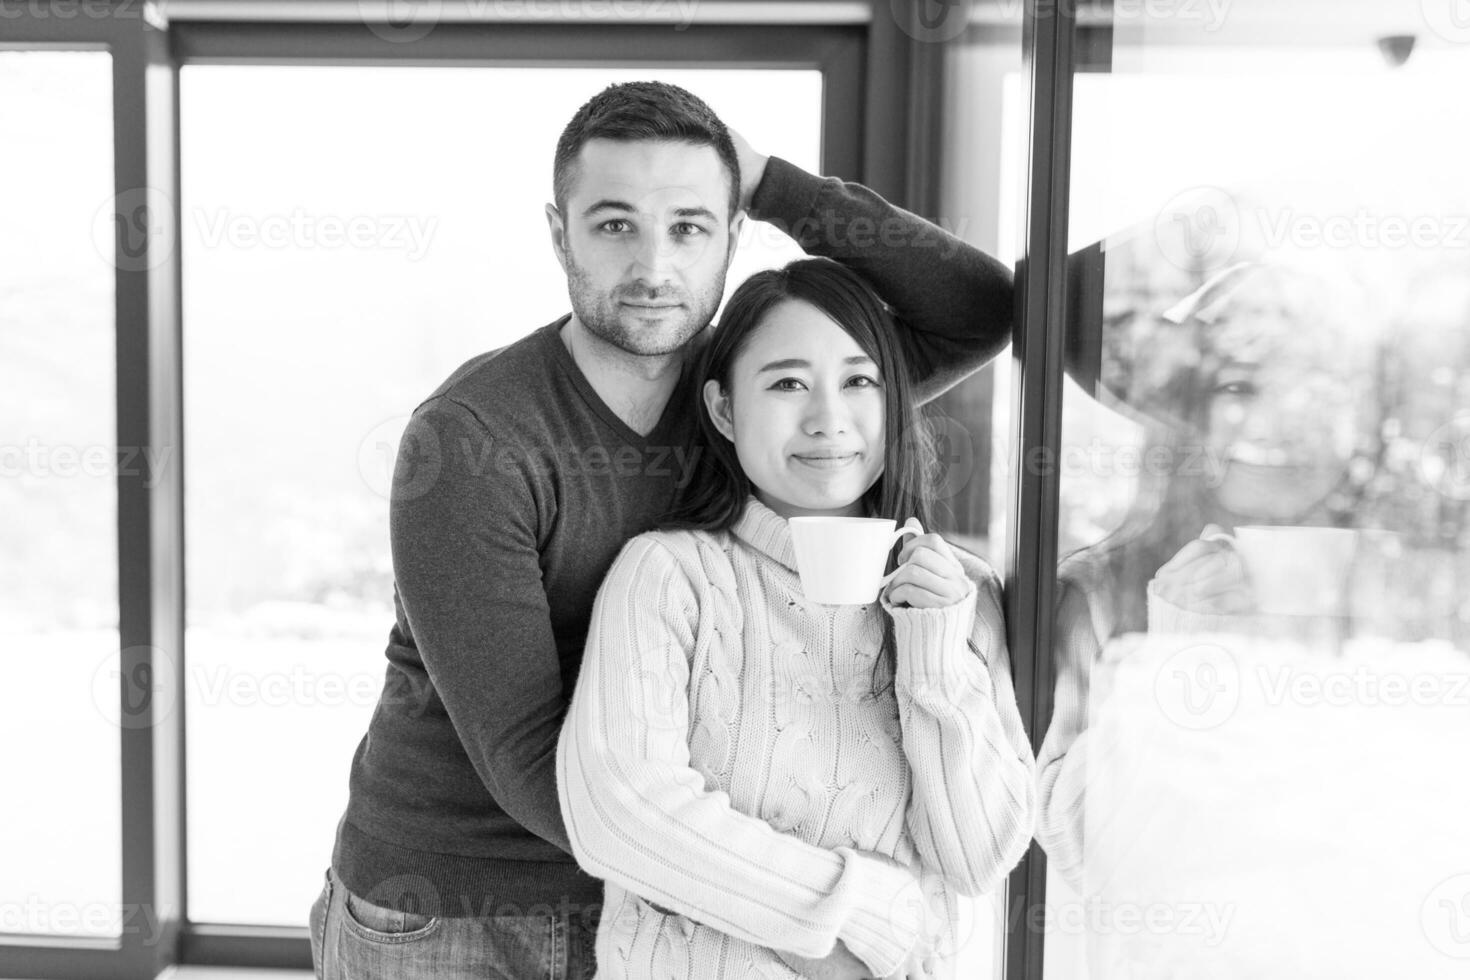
653	257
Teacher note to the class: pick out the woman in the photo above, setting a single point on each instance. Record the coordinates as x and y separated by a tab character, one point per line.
771	787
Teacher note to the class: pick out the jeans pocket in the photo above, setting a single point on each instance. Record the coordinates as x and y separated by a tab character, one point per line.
316	921
378	924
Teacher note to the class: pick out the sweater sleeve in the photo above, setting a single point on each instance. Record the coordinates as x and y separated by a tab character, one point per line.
973	796
956	301
640	815
467	571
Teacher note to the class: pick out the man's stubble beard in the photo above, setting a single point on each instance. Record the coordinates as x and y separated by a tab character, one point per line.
600	314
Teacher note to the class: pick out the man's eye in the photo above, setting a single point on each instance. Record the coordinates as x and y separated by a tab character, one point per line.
687	229
616	226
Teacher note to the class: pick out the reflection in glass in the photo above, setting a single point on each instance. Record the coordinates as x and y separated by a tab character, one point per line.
59	703
1262	639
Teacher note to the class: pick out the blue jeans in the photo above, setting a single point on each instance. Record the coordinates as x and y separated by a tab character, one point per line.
356	939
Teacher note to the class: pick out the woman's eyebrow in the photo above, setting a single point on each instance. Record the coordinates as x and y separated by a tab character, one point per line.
795	362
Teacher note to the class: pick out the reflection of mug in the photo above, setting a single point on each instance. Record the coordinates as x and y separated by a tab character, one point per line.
1295	571
840	559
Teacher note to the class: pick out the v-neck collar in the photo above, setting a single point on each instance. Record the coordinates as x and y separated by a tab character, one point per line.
674	410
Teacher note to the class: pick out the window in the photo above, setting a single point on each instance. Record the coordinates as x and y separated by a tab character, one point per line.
305	354
58	501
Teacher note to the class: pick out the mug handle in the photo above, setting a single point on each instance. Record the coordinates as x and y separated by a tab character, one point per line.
897	536
1223	537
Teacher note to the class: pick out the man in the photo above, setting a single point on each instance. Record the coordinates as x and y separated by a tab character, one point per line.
517	483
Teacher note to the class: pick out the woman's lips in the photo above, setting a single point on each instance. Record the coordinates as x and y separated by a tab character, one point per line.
825	461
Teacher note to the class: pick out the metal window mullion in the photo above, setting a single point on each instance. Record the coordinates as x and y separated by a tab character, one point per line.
1031	546
150	613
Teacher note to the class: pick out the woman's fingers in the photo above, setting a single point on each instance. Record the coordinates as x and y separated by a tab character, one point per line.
920	586
1206	577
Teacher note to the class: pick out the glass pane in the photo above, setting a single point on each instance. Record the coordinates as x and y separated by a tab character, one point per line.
59	705
983	141
1263	636
351	236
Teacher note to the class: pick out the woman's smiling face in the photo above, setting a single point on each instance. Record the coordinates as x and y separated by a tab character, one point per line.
805	411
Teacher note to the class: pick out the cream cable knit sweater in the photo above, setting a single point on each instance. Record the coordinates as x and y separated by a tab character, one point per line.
725	762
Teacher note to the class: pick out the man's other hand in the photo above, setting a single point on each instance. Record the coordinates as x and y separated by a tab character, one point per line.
752	168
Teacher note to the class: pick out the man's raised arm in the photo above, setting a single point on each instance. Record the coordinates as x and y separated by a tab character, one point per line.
956	300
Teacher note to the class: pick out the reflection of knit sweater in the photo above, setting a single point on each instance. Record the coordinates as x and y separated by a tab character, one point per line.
726	757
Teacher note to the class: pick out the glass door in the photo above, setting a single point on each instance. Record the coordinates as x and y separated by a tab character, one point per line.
1261	641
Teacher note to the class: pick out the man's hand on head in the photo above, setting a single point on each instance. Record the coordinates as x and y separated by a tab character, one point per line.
752	168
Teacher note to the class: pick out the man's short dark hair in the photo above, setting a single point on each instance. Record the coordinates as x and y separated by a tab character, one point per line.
642	111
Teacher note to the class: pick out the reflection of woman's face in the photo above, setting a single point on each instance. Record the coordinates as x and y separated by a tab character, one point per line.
1280	434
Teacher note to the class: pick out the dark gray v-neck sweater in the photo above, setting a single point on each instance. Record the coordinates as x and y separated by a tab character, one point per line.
515	488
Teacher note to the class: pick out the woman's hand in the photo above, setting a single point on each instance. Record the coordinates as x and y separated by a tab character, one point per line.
839	964
928	575
752	168
1205	577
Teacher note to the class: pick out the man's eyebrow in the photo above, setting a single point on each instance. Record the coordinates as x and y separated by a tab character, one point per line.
607	204
796	362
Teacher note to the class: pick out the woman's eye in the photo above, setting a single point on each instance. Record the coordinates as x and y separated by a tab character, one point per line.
1239	389
787	384
864	381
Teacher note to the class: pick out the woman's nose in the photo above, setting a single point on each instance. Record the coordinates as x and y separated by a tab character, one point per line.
826	414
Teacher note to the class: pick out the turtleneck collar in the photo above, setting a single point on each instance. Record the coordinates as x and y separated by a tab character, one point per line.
766	531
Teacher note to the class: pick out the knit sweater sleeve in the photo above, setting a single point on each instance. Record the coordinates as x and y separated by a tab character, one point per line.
956	301
639	815
973	794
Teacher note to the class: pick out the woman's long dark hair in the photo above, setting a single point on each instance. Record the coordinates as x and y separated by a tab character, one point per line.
716	497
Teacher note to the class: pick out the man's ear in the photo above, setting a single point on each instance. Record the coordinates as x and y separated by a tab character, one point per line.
558	234
718	404
737	224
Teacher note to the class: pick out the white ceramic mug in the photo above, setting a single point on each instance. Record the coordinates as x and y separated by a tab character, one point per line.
841	559
1295	571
